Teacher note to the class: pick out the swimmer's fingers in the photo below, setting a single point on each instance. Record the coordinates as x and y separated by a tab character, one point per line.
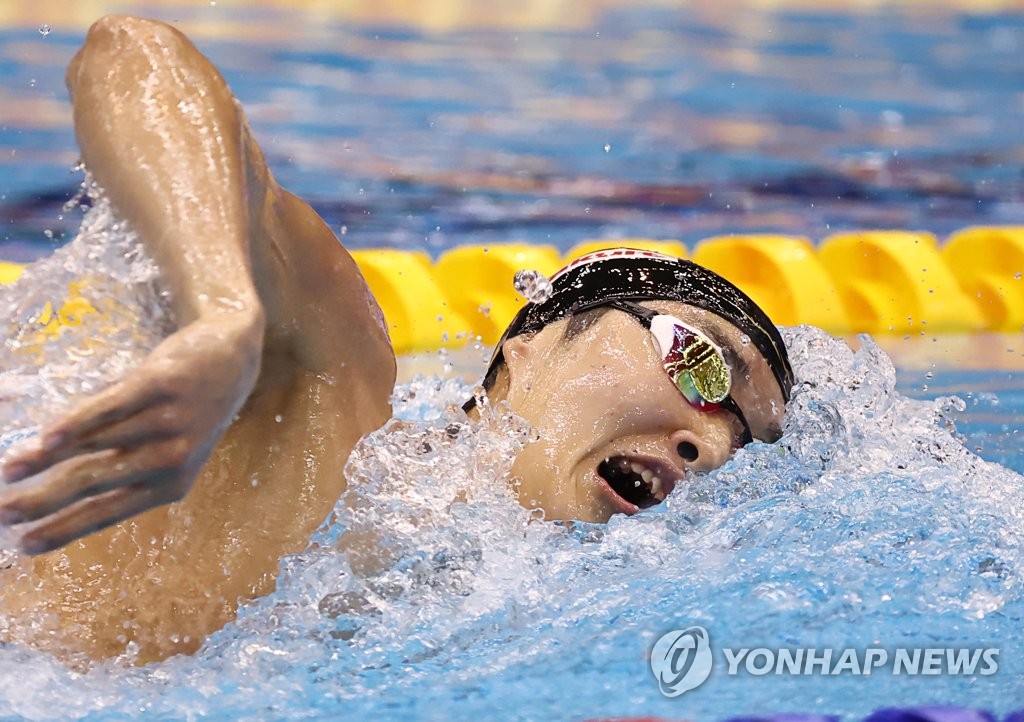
192	385
81	429
148	426
117	403
86	476
92	514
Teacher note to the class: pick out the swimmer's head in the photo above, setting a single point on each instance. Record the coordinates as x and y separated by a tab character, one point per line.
637	367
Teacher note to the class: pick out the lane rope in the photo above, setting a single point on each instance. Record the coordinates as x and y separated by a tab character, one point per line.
878	282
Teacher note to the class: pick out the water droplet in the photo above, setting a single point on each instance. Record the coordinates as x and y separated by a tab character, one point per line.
44	30
484	309
48	233
278	418
744	339
607	147
929	375
1017	275
533	285
344	230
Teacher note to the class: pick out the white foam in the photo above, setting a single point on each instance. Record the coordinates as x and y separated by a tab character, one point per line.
869	514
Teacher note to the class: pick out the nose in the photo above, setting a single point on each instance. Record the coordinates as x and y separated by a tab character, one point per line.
703	452
688	450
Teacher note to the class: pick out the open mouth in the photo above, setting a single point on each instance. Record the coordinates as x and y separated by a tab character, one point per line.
641	482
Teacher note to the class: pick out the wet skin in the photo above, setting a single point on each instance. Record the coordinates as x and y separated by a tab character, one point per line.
605	396
155	507
275	321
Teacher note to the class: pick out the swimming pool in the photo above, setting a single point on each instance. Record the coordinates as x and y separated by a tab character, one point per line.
870	525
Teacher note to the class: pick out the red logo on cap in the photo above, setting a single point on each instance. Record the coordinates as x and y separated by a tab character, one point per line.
611	253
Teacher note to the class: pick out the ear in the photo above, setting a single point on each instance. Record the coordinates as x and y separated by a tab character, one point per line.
521	356
520	352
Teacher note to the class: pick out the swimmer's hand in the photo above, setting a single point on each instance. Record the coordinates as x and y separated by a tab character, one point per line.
139	444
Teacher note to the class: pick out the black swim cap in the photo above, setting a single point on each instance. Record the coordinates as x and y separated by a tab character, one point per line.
595	279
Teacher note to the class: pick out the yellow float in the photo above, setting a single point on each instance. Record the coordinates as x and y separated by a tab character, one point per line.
873	281
989	264
10	272
478	282
418	315
782	274
897	282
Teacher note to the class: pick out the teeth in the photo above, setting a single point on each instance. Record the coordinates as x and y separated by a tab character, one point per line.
655	486
644	473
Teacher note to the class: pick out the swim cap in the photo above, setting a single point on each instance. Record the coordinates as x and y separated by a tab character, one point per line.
597	278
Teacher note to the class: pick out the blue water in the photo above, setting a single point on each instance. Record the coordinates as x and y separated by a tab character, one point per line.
991	422
868	525
888	516
714	122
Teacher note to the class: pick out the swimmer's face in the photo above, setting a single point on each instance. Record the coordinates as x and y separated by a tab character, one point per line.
608	415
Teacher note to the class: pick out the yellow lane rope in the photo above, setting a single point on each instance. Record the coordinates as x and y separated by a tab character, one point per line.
880	282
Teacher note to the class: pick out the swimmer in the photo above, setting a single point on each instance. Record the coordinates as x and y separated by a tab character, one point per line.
154	508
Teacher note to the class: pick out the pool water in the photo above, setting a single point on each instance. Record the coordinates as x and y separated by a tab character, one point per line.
994	399
889	515
869	524
625	119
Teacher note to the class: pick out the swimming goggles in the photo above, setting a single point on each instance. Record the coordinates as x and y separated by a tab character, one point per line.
694	363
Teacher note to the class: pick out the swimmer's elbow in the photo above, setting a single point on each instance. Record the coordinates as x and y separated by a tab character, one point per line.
114	40
122	30
246	326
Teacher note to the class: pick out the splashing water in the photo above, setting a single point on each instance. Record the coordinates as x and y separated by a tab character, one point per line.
77	320
431	594
534	286
868	523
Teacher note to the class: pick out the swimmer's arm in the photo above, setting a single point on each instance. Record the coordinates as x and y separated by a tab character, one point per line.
160	132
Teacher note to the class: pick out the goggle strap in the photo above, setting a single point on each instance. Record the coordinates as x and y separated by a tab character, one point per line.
641	313
729	405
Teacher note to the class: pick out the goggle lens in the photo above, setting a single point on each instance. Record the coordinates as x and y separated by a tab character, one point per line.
693	362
